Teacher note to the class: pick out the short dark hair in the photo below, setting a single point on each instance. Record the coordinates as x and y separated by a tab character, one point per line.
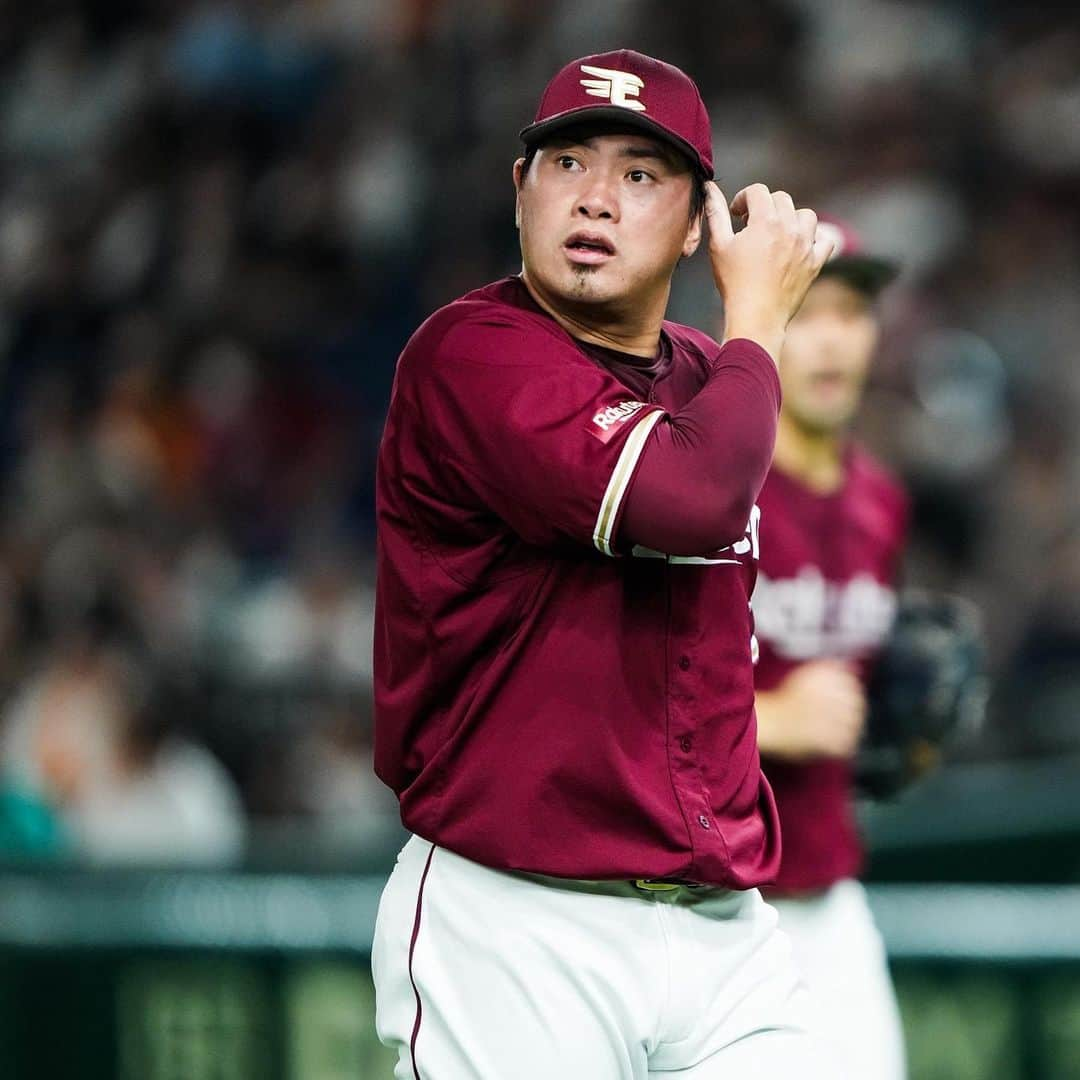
697	195
697	190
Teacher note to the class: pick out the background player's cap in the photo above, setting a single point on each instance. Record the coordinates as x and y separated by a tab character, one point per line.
632	89
850	260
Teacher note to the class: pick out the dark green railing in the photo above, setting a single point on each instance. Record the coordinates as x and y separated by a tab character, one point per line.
263	974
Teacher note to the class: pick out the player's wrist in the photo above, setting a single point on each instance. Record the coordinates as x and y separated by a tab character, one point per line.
765	330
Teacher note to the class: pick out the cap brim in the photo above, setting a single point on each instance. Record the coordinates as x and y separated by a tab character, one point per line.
865	272
610	114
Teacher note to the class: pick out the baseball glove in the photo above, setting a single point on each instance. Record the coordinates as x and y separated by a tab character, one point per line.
928	684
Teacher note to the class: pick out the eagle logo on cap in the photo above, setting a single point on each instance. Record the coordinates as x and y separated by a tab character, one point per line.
619	87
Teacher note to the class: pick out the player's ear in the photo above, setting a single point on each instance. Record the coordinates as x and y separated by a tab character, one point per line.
693	235
519	175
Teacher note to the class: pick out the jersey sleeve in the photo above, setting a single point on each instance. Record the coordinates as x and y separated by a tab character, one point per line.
517	423
695	488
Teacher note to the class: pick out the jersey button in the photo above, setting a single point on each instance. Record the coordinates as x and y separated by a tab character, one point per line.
686	744
684	663
703	821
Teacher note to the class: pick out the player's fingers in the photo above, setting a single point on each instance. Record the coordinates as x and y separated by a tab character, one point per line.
858	716
806	222
753	201
841	678
717	213
848	714
850	702
857	697
842	745
843	748
785	208
824	246
852	728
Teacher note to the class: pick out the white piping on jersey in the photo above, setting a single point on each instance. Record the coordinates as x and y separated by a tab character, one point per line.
640	552
748	545
620	480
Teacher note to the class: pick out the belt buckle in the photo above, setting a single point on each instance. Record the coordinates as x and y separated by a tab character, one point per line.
654	885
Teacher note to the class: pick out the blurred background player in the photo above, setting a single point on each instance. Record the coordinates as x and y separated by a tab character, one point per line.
833	527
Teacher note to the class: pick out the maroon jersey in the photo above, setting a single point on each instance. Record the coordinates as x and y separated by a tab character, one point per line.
825	591
553	693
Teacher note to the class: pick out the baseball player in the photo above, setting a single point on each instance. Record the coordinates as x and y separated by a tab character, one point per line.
833	531
564	689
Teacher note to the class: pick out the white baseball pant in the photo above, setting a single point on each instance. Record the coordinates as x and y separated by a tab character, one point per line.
843	960
482	974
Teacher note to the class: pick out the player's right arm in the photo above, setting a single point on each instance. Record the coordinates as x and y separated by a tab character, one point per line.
818	711
702	470
511	418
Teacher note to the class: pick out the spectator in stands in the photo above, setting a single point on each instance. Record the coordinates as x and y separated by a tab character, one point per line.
84	734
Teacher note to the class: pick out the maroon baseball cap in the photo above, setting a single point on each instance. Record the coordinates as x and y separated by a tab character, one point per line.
850	260
632	89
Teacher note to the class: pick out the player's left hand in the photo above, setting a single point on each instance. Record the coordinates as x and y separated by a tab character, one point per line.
818	711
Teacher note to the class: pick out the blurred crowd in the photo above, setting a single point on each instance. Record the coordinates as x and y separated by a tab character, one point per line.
220	221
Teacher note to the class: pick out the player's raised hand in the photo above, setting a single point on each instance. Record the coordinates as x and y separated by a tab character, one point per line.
764	271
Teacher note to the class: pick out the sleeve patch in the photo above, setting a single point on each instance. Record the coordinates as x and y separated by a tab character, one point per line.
604	531
606	423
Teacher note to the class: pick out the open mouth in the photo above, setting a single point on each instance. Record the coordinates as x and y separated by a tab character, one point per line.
830	386
830	379
589	247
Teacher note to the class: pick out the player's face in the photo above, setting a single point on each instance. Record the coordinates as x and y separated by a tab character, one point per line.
826	356
604	220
